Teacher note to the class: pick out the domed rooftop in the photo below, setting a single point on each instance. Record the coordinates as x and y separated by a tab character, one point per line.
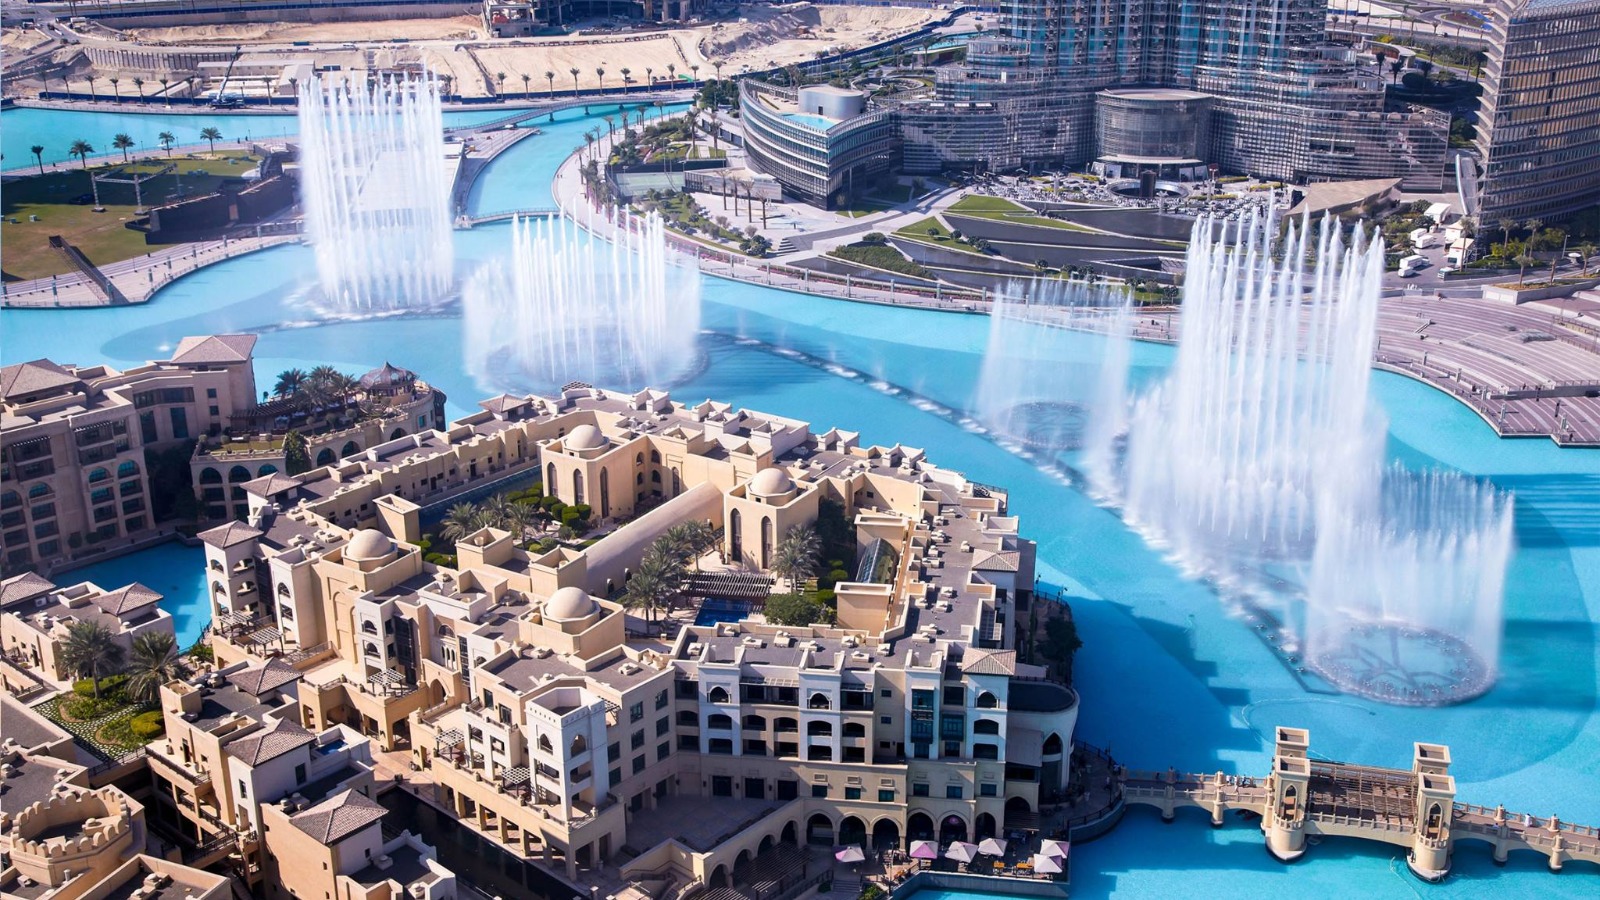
368	543
585	437
770	482
569	603
388	376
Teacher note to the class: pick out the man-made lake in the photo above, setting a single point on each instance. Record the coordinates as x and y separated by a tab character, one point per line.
1168	677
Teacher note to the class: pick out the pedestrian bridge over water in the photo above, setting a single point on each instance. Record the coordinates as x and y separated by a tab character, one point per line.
1416	809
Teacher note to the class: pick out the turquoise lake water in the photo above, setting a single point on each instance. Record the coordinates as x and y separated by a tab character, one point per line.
1167	677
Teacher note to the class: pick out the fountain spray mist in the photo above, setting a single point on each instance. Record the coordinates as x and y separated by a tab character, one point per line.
376	192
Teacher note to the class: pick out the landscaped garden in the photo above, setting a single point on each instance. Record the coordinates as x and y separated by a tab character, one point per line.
874	251
111	709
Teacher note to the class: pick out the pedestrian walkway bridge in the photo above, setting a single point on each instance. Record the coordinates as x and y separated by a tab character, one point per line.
508	215
1415	808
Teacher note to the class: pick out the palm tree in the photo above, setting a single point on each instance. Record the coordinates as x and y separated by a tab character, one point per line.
166	138
550	79
501	77
153	662
1505	231
601	74
294	88
1586	250
657	578
695	71
574	71
138	87
795	557
81	149
122	142
167	82
38	153
672	72
92	97
1523	261
525	79
91	651
1533	226
459	521
289	382
627	77
211	135
717	65
649	77
114	92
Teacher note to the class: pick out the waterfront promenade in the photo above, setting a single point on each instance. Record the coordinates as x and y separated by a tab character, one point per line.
137	279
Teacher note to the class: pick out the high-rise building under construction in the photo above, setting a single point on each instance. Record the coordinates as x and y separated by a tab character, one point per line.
1254	86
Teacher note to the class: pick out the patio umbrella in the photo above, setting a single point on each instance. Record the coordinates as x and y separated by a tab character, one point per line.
924	850
1057	849
961	851
992	847
850	854
1048	865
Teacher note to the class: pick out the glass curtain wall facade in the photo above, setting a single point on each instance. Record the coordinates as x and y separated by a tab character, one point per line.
1288	104
1539	123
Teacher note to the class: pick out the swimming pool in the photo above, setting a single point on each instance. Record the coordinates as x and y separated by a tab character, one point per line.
1168	677
721	609
176	572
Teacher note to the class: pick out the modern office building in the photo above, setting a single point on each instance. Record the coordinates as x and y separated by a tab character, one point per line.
1281	100
822	143
1538	130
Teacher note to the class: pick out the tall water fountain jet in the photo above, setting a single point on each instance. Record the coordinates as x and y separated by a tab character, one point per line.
569	306
1045	366
1404	603
375	186
1259	463
1268	397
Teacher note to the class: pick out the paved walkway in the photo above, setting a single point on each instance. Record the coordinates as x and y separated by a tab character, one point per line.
138	279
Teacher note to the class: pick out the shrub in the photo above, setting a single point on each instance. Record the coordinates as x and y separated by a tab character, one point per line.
110	688
147	725
793	609
584	510
202	651
875	237
82	708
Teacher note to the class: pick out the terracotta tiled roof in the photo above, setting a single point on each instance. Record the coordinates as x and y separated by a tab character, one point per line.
273	675
215	348
30	377
266	486
989	561
225	536
22	587
338	817
127	599
990	662
503	403
271	742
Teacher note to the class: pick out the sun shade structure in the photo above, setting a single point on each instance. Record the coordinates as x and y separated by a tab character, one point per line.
961	851
850	854
1048	865
924	850
992	847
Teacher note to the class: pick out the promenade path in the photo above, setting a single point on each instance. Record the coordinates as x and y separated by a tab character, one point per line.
138	279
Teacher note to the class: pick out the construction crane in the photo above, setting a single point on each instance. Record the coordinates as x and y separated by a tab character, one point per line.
225	100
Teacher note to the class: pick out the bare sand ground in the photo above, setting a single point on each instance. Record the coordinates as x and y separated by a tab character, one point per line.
442	29
20	40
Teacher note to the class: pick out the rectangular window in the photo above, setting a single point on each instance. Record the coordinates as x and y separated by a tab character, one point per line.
616	776
211	393
147	427
819	791
663	750
661	700
919	790
636	711
637	740
688	742
663	725
638	764
885	692
180	423
755	788
952	792
852	793
955	696
213	411
885	720
788	790
988	789
614	752
722	785
886	795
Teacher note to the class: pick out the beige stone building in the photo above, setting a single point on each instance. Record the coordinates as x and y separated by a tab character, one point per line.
36	617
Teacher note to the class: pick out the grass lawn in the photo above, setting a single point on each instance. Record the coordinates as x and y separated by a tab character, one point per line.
878	200
940	236
1001	210
879	256
101	236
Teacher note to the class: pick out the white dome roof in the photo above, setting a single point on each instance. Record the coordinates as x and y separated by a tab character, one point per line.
769	482
569	603
368	543
585	437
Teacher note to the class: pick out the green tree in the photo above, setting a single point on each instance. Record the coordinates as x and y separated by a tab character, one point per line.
211	136
296	453
289	382
1523	261
794	610
38	154
657	578
91	651
574	71
122	142
81	149
153	662
795	557
1061	645
600	72
1586	250
167	139
459	521
550	79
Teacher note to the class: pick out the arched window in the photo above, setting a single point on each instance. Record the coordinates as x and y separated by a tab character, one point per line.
325	457
819	700
579	745
677	483
368	627
986	726
216	565
655	456
638	459
217	588
655	477
985	751
95	474
350	448
397	434
689	718
445	630
1052	745
265	470
127	468
785	724
855	730
577	488
717	694
238	473
545	745
767	536
605	494
755	723
550	479
819	729
638	478
38	490
283	590
986	700
210	476
720	721
371	649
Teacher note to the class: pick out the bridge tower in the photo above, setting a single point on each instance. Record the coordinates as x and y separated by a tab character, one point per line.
1288	793
1436	799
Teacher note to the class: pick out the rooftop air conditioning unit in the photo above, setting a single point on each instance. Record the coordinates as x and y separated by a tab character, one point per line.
418	890
543	652
629	668
382	861
695	648
41	602
860	655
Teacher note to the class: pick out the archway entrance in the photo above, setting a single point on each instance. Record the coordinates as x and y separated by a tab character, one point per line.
952	828
885	835
919	827
852	831
983	826
819	830
788	835
719	877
